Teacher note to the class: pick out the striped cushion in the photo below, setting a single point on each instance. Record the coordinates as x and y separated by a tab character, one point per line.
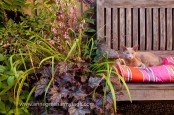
163	73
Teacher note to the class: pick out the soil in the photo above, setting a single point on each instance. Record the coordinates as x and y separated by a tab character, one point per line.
146	108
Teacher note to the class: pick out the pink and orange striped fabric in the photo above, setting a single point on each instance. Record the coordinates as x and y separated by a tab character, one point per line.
163	73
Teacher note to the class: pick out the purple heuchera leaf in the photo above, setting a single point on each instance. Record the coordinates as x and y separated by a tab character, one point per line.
79	93
109	102
94	82
64	92
67	78
99	106
63	67
99	102
78	111
109	98
83	78
46	72
40	86
55	95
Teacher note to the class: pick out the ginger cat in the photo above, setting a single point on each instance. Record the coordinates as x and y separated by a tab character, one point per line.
140	59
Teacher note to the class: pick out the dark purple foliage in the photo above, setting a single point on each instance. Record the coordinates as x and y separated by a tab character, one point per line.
91	2
94	82
41	86
72	89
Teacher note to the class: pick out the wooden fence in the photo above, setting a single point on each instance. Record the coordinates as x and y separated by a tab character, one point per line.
81	7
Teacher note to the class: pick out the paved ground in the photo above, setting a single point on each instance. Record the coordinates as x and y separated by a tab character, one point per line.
146	108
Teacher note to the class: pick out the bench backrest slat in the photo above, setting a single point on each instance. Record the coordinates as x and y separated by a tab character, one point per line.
128	27
135	26
149	28
108	26
142	28
169	29
139	3
115	28
162	29
128	22
155	29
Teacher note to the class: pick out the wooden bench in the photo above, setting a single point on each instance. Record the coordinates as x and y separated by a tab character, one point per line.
149	23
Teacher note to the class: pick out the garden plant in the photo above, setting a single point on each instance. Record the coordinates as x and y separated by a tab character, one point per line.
50	63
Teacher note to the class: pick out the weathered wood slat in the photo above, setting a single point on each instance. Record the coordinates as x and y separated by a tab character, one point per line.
146	86
128	27
135	26
142	28
139	3
169	29
149	29
173	27
79	8
122	26
84	7
162	29
115	28
164	53
158	53
148	92
108	26
100	19
155	29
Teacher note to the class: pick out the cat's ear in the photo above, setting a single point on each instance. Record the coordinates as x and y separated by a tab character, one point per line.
135	47
123	48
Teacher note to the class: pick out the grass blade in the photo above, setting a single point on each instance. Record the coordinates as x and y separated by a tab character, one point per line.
123	81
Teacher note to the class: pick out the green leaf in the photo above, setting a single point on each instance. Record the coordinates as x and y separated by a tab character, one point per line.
3	77
1	57
90	30
31	92
25	109
91	21
2	107
2	68
7	2
17	74
10	81
3	85
72	49
11	112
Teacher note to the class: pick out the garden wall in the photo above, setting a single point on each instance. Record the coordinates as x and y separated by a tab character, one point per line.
80	5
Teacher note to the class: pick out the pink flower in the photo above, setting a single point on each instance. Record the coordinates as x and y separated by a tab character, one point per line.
82	24
51	42
6	46
71	12
55	31
56	39
61	25
59	48
60	12
83	21
66	36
